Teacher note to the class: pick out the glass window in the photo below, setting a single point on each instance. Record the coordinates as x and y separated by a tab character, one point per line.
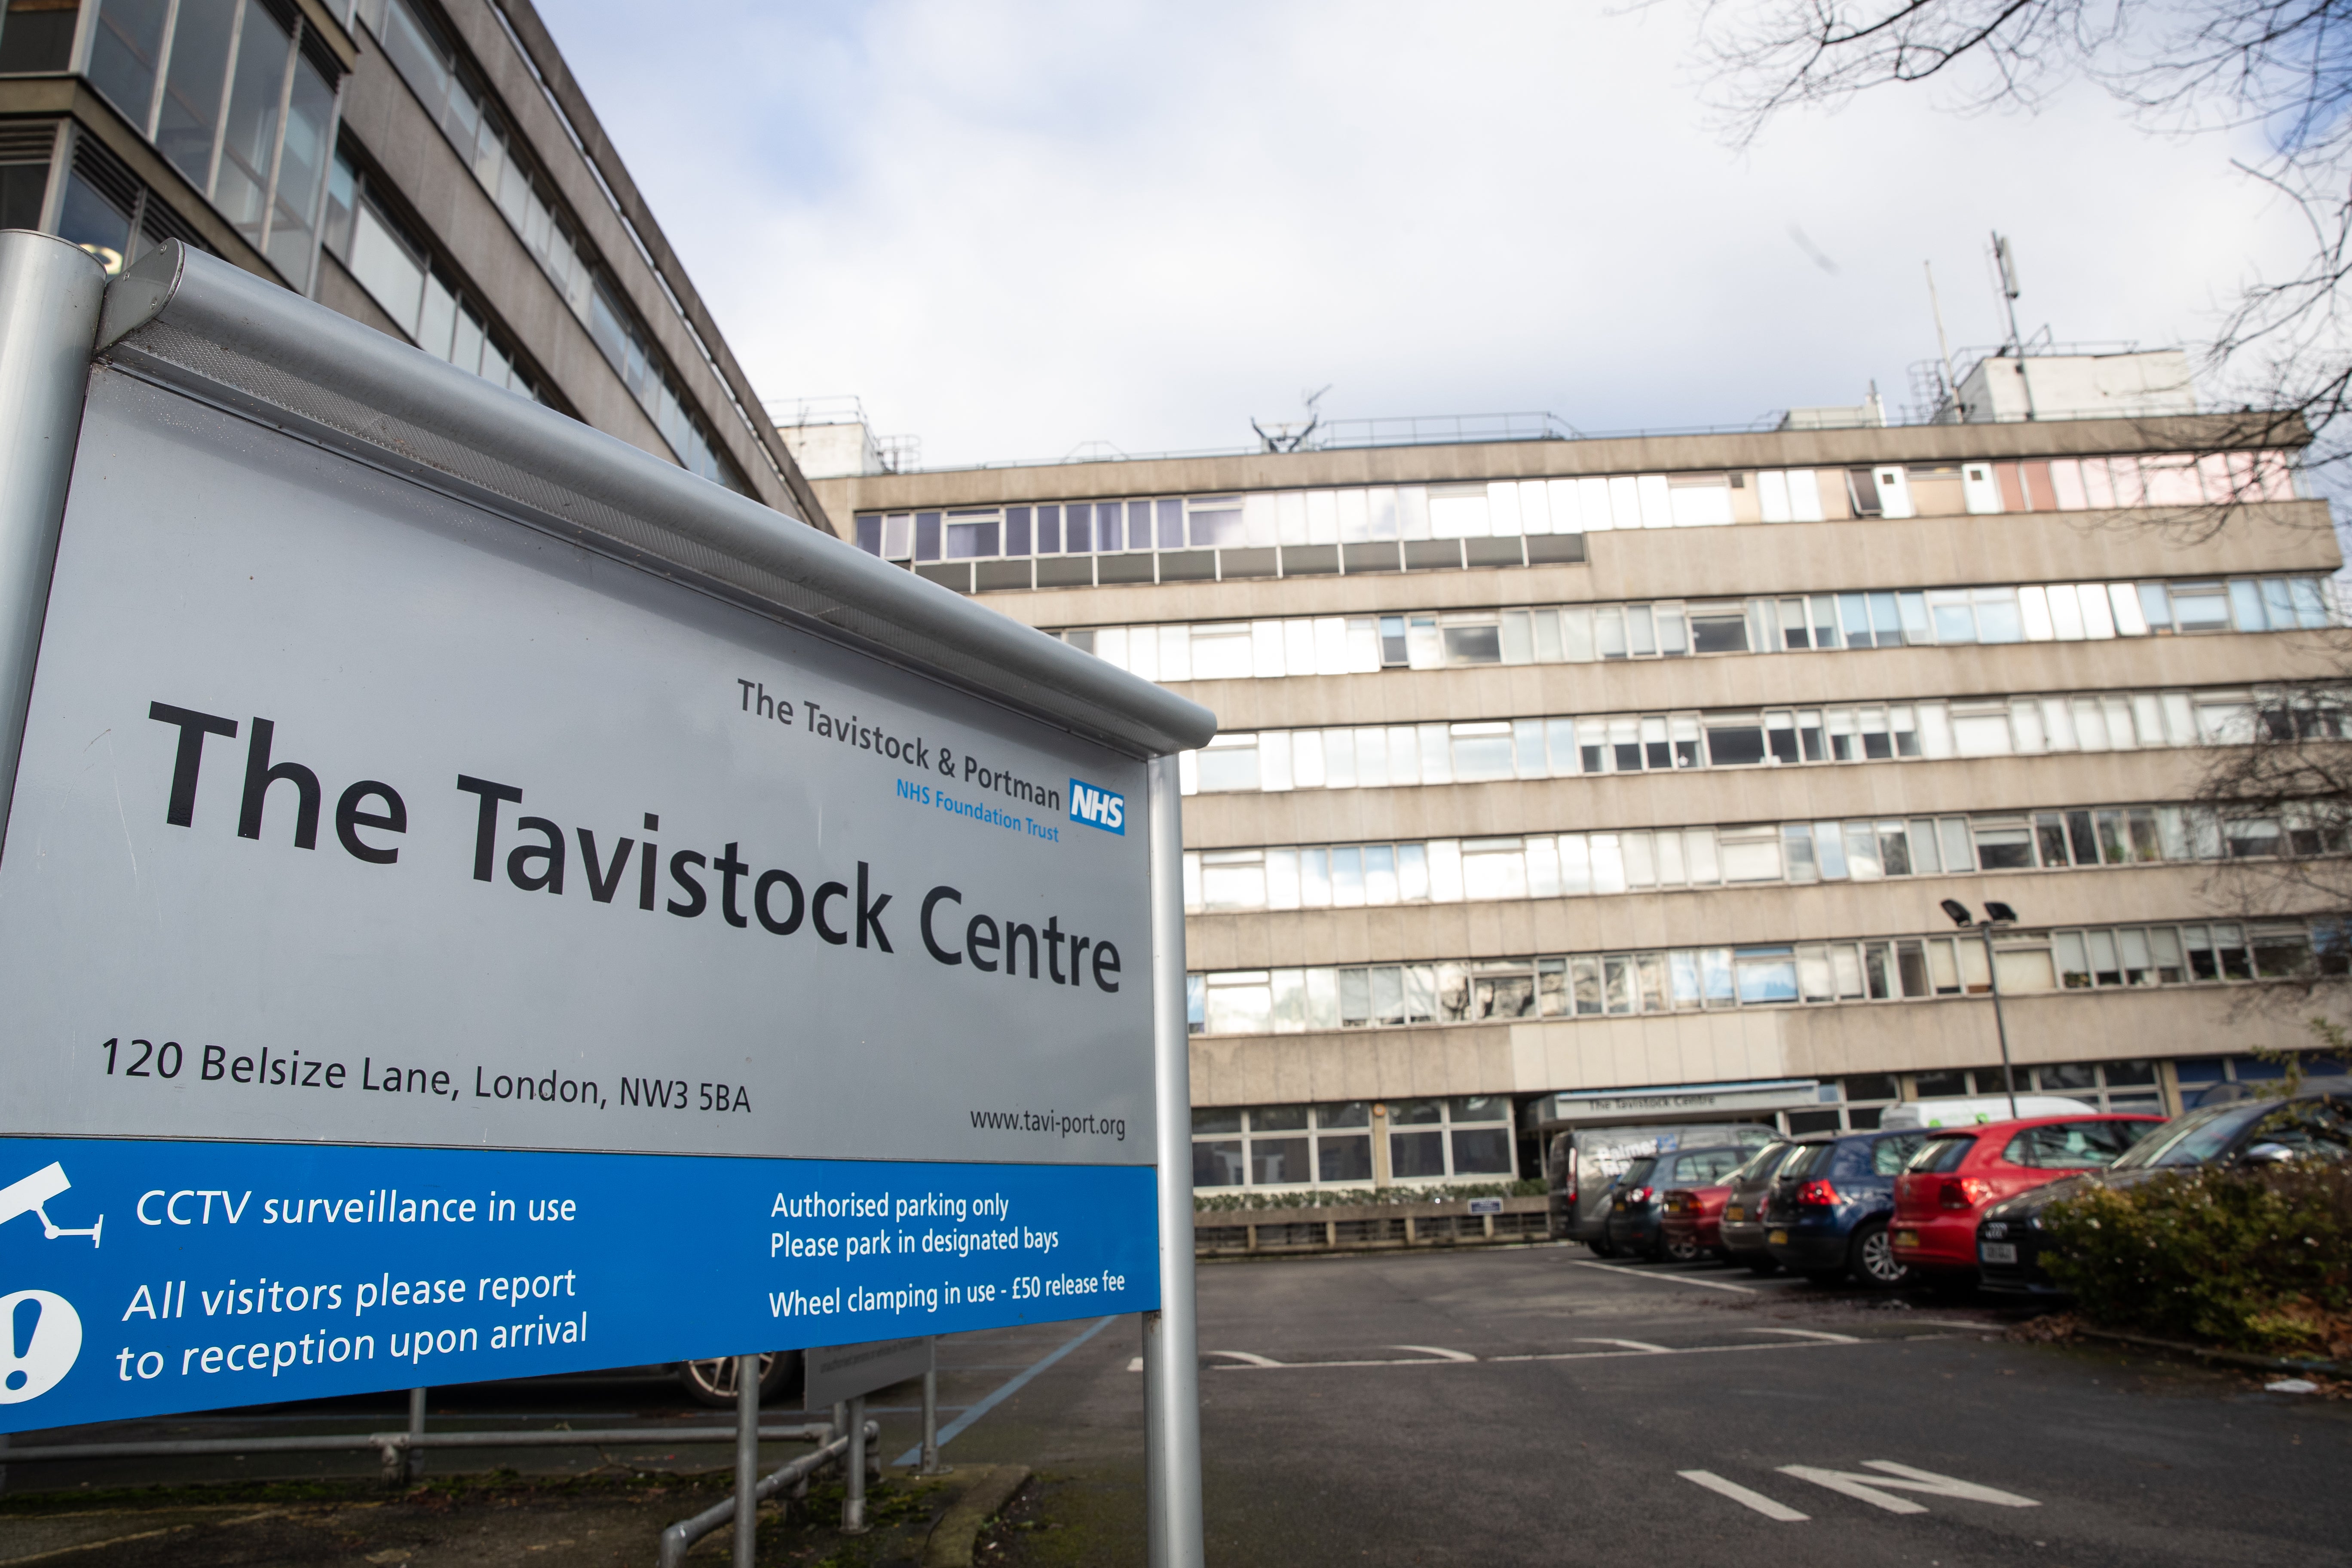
1217	1164
1482	1151
249	140
126	43
1737	740
90	218
2003	845
1718	629
1344	1159
1765	974
1472	642
1417	1154
1277	1161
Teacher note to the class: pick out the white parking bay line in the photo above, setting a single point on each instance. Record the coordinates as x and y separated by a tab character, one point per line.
1247	1358
1643	1345
1817	1335
1743	1496
1438	1350
1670	1279
1878	1490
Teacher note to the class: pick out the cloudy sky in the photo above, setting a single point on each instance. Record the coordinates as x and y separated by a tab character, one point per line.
1012	229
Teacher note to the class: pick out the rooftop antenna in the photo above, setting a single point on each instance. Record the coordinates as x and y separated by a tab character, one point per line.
1289	435
1943	343
2005	260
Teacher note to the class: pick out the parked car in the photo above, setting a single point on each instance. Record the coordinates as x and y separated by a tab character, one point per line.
2243	1132
713	1381
1830	1204
1741	1229
1984	1107
1958	1174
1580	1166
1637	1207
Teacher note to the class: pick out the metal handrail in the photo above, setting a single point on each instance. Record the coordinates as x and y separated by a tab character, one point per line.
681	1537
395	1445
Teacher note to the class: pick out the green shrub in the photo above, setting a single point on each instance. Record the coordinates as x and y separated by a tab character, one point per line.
1346	1198
2254	1260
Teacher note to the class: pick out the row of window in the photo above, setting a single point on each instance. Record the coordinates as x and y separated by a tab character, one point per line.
1572	864
1684	979
465	113
1484	751
1505	508
1582	634
421	299
239	96
1284	1146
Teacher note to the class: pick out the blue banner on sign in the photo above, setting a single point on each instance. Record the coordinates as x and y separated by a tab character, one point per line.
138	1278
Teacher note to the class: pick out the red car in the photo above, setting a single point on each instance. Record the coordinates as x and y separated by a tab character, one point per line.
1692	1221
1960	1171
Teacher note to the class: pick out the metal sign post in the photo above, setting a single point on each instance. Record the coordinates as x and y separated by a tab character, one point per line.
478	900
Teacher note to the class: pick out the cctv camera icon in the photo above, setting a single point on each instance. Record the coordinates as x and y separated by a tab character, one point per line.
28	1196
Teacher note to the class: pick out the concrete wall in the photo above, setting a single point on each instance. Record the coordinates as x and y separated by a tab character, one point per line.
1533	459
1529	1057
1525	1058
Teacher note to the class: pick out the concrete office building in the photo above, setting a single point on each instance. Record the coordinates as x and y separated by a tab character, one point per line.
1554	768
427	166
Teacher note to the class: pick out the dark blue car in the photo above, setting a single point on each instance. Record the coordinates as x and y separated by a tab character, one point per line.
1830	1204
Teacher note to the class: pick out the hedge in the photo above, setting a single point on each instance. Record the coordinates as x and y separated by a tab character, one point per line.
2255	1260
1344	1198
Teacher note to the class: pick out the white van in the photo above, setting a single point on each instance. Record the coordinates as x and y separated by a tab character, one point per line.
1982	1109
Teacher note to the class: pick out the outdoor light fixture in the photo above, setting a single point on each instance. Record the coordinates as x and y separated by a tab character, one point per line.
1996	914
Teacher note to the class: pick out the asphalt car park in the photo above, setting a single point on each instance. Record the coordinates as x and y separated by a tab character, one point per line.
1535	1404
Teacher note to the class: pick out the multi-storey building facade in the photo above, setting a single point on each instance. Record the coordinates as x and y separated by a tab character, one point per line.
429	167
1554	766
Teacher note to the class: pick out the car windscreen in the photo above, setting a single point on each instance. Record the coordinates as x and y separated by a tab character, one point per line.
1809	1160
1937	1154
1760	1164
2314	1129
2074	1145
1701	1168
2194	1139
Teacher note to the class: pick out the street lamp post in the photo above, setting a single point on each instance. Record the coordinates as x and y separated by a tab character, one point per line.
1996	914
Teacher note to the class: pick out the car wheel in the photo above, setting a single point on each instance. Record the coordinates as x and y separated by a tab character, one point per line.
1679	1251
1874	1260
1600	1248
712	1382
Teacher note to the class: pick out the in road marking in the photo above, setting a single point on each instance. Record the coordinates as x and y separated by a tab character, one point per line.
1005	1390
1879	1490
1673	1278
1743	1496
1135	1365
1246	1361
1815	1334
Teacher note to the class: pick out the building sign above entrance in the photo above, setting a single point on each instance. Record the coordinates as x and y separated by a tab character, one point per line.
1711	1102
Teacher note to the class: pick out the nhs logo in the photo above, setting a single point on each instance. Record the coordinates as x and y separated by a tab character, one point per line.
1098	806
